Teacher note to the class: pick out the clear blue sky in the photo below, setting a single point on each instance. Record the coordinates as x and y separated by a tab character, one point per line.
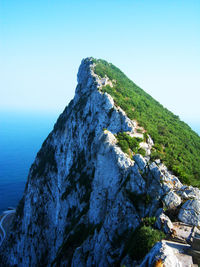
156	43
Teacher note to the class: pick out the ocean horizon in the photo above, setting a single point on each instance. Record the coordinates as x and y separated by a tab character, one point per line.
21	136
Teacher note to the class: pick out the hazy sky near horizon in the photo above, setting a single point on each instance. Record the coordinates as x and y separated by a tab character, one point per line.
155	43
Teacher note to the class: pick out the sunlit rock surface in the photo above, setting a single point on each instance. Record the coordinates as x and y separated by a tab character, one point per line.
78	205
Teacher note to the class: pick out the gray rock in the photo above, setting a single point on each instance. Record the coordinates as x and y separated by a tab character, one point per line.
189	192
155	171
157	161
176	182
190	212
172	200
164	223
192	192
141	162
183	195
168	254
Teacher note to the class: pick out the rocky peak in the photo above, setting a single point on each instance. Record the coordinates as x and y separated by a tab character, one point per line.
85	77
86	194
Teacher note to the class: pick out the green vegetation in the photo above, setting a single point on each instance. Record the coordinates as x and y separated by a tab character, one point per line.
146	237
127	142
141	151
175	143
149	221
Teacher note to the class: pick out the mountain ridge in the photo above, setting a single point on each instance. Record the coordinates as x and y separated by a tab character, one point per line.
175	142
89	197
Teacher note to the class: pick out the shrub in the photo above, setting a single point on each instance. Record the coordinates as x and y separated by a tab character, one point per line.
142	151
127	142
149	221
142	240
139	130
124	145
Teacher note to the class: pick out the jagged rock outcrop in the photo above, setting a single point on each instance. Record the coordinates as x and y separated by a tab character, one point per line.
163	222
84	195
190	212
172	200
168	254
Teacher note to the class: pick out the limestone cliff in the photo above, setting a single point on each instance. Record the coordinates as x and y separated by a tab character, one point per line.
84	196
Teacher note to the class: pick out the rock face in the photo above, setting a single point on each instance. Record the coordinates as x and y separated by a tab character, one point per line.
163	222
84	194
172	200
190	212
168	254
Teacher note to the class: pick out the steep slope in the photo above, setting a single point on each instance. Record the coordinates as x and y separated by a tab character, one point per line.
175	143
89	197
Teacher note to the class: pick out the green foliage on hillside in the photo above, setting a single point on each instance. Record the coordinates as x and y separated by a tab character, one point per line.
146	237
127	142
175	143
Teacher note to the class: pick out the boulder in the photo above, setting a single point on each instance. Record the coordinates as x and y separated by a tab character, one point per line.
140	161
172	200
192	192
190	212
155	171
189	192
164	223
177	184
162	254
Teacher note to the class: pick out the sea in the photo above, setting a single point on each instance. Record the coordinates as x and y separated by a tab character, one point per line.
21	136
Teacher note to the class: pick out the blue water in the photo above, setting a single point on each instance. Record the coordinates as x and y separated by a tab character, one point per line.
21	136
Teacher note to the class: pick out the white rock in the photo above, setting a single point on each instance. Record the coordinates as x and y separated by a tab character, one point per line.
141	162
170	255
109	102
190	212
176	182
155	171
172	200
192	192
157	161
150	141
164	223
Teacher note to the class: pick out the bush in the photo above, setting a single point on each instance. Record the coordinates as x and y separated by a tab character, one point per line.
149	221
127	142
142	240
124	145
139	130
142	152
